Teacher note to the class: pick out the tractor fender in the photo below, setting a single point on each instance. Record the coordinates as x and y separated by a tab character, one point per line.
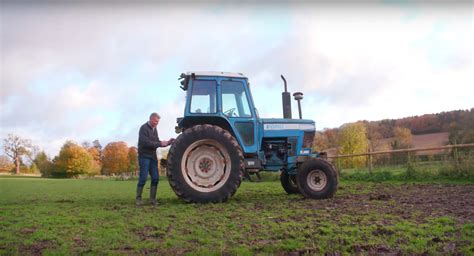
190	121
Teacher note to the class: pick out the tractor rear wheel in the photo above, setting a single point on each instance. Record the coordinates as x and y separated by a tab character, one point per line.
205	164
317	179
288	182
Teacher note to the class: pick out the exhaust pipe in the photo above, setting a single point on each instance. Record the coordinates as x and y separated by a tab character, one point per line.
298	97
286	99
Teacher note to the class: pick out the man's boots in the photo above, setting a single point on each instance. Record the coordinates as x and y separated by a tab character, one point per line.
138	198
153	195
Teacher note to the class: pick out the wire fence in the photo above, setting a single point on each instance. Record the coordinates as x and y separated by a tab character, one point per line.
457	159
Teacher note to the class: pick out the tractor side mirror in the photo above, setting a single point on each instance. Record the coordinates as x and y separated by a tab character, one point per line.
184	81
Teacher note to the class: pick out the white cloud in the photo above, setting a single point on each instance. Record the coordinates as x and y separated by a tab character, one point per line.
93	71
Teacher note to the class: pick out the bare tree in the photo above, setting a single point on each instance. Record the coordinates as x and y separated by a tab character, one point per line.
16	147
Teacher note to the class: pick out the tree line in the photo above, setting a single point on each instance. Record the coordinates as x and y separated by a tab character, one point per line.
118	158
459	124
365	136
73	160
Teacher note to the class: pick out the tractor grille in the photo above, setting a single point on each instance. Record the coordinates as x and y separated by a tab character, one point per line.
308	139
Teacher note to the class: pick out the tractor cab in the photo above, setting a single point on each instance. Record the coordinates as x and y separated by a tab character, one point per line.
222	99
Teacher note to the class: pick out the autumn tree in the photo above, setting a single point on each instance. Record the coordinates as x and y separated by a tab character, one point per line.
73	160
325	139
385	127
96	160
33	168
94	150
374	136
353	140
96	144
402	138
43	163
115	158
16	148
462	133
320	142
6	165
86	144
332	137
133	160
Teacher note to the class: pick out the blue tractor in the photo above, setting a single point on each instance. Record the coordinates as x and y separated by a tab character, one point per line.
222	137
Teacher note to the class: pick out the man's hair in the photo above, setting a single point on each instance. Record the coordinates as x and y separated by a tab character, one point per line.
154	114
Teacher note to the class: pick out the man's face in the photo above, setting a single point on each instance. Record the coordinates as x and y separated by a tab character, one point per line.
154	121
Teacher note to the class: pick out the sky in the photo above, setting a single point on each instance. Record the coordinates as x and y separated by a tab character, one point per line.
87	70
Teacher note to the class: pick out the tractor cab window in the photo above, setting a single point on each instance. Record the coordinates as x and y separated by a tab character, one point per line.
234	99
203	96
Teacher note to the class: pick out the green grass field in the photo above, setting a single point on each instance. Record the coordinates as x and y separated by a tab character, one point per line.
60	216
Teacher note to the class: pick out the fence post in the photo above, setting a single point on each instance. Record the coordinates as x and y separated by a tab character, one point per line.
370	163
339	164
455	156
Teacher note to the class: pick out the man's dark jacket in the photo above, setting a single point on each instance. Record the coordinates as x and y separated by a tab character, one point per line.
148	141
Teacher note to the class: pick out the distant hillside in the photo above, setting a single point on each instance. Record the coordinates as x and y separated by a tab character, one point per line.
427	130
425	124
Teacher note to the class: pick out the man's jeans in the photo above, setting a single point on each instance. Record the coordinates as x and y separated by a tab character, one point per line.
148	165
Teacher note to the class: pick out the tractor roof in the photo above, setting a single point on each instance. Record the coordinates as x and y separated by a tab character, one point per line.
215	73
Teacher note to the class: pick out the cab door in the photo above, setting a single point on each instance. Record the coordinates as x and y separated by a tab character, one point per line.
236	106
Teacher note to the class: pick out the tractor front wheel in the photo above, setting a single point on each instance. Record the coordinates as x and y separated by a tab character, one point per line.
205	164
317	179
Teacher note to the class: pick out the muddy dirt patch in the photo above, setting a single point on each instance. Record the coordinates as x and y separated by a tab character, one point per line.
405	201
37	248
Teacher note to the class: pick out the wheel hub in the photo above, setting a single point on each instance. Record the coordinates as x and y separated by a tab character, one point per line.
206	165
317	180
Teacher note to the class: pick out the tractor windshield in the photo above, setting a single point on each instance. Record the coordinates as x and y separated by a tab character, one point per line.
203	97
234	99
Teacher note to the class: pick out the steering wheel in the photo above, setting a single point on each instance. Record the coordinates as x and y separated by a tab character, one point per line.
230	112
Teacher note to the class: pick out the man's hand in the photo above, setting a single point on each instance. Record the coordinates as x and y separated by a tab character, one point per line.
167	142
171	141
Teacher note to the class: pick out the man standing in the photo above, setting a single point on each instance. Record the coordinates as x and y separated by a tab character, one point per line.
148	142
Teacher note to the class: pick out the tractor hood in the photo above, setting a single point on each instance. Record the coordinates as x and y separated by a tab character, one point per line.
303	129
276	124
